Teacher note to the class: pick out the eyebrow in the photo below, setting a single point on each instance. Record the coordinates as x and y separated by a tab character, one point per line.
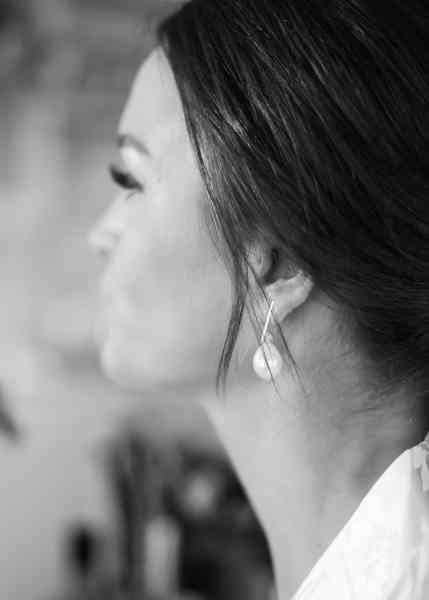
124	140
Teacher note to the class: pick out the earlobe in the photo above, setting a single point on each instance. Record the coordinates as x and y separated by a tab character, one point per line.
289	294
284	283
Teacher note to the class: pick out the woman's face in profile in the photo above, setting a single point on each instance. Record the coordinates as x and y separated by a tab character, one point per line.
165	294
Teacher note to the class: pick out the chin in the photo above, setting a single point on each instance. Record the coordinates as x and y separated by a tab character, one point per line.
133	366
114	358
118	362
111	368
117	367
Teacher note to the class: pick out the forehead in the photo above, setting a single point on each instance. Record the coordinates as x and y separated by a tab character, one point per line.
153	112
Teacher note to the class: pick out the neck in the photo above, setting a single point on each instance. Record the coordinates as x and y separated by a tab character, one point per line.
306	465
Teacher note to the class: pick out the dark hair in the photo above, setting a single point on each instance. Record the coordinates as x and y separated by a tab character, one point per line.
310	123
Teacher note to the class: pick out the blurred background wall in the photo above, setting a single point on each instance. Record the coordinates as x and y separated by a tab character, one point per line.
65	70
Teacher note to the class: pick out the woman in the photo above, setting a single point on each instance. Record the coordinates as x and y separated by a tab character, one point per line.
275	160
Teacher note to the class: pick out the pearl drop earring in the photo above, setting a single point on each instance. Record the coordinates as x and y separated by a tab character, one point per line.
267	354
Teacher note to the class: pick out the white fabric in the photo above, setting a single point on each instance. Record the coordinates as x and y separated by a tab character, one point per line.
382	553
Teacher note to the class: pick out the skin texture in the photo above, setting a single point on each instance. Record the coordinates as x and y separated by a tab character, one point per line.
306	456
165	294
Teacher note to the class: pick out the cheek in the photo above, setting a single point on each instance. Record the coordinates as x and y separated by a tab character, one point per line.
171	300
165	258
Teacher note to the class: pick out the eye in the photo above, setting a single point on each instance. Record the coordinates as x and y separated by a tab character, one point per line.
124	180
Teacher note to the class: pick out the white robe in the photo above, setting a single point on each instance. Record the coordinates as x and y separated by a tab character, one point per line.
382	553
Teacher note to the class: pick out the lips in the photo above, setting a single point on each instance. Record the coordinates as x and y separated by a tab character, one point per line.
113	306
99	329
104	316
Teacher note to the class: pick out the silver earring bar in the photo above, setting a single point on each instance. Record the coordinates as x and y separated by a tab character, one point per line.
267	322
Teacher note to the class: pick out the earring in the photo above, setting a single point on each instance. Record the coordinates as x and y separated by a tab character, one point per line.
267	355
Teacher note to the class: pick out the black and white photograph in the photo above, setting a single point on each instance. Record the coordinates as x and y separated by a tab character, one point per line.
214	307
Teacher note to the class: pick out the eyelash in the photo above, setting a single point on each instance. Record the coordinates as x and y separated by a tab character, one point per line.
124	179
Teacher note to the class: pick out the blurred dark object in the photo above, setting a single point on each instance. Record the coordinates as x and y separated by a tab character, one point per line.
82	560
21	44
224	551
82	551
88	570
135	489
139	470
184	529
8	425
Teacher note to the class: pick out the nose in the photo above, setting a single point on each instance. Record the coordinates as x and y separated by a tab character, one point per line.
108	230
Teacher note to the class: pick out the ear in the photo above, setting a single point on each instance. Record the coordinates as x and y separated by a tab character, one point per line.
283	283
288	294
